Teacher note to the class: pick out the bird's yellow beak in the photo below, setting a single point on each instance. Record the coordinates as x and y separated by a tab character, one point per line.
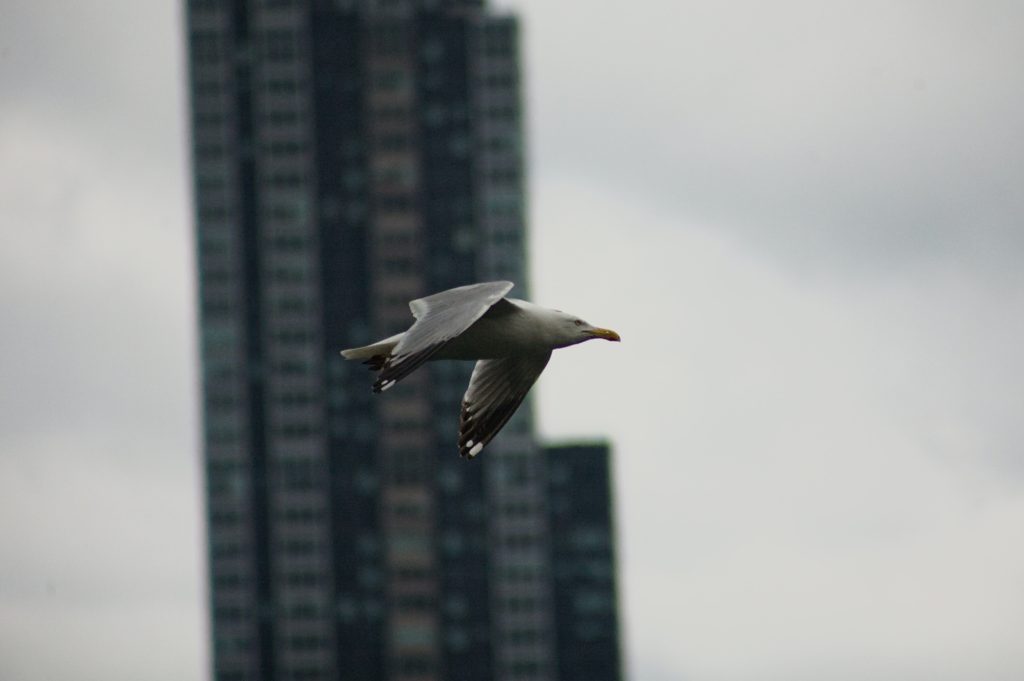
607	334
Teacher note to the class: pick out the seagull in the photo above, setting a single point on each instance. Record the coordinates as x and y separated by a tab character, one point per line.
511	341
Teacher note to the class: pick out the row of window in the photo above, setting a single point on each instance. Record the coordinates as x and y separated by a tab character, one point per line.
520	604
228	550
306	673
415	603
524	669
523	573
222	435
301	474
209	46
501	80
220	404
222	430
213	87
392	113
210	182
520	541
518	509
308	610
297	431
225	372
214	243
390	38
297	548
217	307
523	637
302	515
213	151
222	273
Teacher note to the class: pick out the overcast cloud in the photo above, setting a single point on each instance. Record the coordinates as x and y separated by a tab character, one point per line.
805	220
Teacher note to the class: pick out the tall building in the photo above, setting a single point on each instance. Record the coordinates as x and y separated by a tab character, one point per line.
349	156
583	562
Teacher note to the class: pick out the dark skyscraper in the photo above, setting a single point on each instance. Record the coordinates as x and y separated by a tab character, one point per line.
583	562
350	156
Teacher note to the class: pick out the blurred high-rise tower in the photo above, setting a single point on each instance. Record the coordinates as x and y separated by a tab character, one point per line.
585	593
349	156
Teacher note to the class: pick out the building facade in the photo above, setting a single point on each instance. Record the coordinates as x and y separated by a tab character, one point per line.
583	563
349	156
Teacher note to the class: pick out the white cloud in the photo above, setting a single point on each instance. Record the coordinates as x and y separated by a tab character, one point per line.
101	575
814	472
846	135
101	572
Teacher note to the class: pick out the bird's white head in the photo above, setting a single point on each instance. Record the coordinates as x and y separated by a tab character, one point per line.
569	330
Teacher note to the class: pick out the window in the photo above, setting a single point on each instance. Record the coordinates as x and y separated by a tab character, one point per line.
306	673
457	639
393	141
523	636
304	611
210	183
414	665
392	114
303	578
389	38
290	336
306	643
300	547
520	541
286	148
207	47
591	602
524	669
408	544
415	602
279	45
397	265
292	367
286	179
520	604
293	305
208	152
300	473
228	613
228	581
302	514
212	212
394	203
420	635
230	549
282	118
290	275
391	80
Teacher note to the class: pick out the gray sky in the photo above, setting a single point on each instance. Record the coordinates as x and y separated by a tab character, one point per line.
804	218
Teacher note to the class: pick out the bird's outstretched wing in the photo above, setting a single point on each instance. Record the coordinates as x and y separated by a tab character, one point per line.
496	390
439	318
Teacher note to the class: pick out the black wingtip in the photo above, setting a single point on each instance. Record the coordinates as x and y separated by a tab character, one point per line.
383	384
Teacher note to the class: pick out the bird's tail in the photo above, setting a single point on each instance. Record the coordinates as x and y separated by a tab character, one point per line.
374	354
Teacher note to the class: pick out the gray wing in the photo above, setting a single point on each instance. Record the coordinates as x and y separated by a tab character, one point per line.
496	390
439	318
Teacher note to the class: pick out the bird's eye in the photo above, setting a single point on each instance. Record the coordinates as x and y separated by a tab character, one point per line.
578	322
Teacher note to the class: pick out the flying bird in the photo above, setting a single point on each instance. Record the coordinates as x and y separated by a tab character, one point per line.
511	340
